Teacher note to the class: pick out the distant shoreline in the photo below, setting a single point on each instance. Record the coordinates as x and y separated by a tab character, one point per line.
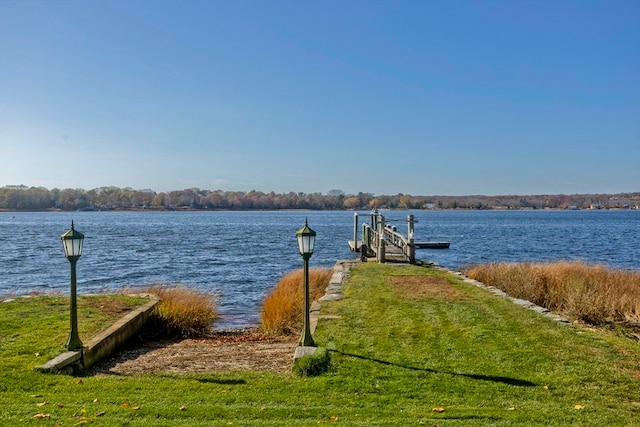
188	209
37	199
301	210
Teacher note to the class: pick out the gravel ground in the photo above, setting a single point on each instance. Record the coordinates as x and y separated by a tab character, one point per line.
244	349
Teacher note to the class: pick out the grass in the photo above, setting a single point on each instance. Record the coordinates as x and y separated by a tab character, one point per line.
35	329
184	312
590	293
412	346
282	310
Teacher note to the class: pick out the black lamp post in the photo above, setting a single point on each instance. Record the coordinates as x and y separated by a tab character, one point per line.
306	240
72	244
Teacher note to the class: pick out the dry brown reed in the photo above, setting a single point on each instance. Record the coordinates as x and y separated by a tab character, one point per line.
183	311
282	309
593	294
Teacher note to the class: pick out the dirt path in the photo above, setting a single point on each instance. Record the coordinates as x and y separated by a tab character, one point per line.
228	350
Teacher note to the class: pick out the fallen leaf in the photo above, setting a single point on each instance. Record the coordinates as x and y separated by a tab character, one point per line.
95	400
38	355
334	419
60	405
80	382
83	421
41	403
183	408
546	387
100	414
264	408
36	395
83	411
126	404
41	416
578	407
136	408
438	410
513	408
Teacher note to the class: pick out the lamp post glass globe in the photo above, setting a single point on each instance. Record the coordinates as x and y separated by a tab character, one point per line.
72	242
306	241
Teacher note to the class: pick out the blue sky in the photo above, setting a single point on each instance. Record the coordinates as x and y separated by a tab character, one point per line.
414	97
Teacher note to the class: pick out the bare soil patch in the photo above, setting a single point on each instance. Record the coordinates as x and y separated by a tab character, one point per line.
425	287
112	307
245	349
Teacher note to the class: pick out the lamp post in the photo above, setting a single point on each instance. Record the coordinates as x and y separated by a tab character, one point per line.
72	244
306	240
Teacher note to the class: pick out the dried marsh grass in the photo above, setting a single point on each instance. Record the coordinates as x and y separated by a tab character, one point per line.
183	311
591	293
282	309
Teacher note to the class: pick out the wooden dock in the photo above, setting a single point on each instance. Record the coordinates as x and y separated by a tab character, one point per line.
392	253
385	243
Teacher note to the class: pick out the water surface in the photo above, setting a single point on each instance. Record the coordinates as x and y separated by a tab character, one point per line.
240	256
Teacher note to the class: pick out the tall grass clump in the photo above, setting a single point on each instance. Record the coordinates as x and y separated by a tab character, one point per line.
593	294
282	308
183	311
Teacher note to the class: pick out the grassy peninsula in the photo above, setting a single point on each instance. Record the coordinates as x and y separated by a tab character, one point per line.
409	346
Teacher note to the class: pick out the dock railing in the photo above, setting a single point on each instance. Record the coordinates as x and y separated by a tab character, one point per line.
385	242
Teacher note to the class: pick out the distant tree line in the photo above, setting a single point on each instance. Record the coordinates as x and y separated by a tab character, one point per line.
106	198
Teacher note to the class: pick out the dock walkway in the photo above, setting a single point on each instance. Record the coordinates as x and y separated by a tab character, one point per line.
386	243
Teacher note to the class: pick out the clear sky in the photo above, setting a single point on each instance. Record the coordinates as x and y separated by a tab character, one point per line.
415	97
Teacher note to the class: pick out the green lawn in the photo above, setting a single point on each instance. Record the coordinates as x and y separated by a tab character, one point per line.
402	348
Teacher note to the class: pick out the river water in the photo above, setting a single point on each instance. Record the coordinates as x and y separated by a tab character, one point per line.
240	256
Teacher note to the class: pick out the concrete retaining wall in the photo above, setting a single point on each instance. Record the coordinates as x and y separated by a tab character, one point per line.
103	344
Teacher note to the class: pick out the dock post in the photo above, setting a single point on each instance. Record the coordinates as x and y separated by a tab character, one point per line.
366	239
374	219
355	231
412	246
380	251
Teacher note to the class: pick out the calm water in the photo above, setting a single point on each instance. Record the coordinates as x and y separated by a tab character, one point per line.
240	256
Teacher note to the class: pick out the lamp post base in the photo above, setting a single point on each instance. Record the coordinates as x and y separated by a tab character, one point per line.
306	340
74	342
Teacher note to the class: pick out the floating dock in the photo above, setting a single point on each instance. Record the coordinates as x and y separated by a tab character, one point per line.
432	245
